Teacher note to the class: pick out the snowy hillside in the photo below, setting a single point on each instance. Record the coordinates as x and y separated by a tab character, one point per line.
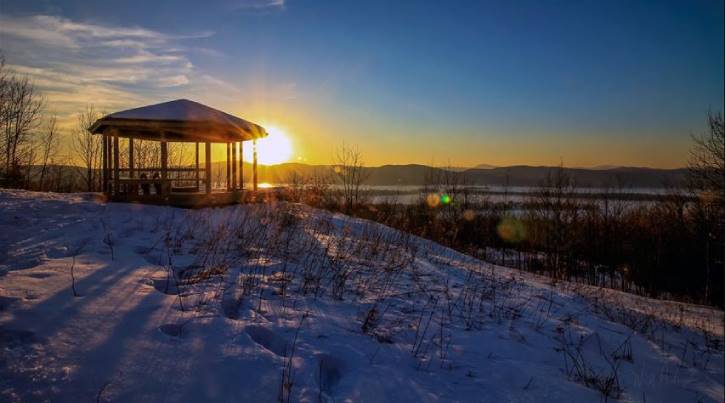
121	302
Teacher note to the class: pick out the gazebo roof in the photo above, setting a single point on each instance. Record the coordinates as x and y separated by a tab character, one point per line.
179	120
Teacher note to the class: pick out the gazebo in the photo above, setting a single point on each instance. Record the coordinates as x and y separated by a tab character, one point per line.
158	126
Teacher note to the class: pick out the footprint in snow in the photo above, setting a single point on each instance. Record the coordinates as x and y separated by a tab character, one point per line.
57	252
165	286
6	302
12	338
268	339
171	329
331	370
40	275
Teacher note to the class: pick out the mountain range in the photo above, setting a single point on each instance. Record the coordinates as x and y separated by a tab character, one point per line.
520	175
416	175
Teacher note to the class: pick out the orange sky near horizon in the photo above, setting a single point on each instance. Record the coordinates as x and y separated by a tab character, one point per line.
314	140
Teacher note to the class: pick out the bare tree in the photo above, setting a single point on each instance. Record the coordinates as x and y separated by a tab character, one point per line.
707	178
20	116
87	147
147	154
351	174
4	101
554	206
49	143
707	158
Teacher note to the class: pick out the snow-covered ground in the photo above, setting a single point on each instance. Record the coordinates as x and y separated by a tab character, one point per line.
284	302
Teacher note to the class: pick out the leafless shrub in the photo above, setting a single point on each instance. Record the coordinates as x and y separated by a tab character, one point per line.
75	251
580	369
108	238
351	173
285	389
169	264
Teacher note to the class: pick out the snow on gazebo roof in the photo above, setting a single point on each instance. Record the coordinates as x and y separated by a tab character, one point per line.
179	120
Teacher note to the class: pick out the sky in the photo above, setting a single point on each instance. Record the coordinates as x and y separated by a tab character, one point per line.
459	83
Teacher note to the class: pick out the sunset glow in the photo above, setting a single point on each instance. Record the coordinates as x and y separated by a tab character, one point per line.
418	102
273	149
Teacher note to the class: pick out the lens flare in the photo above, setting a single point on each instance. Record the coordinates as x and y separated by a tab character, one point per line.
511	229
445	199
469	215
433	200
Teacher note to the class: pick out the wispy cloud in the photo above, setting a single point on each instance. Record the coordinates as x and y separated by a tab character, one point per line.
76	63
258	4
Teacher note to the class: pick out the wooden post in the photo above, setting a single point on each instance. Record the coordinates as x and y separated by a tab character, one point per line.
109	152
254	164
104	163
207	166
229	171
115	164
196	172
234	165
241	165
164	165
130	158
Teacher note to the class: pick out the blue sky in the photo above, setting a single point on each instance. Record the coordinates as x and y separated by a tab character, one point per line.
514	82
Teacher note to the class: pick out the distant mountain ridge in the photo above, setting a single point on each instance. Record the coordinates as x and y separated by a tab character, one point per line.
519	175
416	174
485	166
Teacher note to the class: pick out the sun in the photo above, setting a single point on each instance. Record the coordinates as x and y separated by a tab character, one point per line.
273	149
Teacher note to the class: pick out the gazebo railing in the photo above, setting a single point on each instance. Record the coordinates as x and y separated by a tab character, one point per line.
148	181
132	181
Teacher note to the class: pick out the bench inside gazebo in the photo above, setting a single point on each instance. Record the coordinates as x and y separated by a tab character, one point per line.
150	131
